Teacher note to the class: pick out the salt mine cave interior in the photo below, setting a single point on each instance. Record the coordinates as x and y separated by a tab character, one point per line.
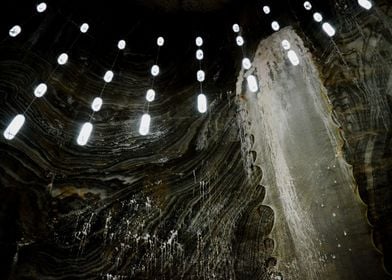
196	139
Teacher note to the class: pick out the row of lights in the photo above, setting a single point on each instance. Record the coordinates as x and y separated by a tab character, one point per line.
200	75
150	95
18	121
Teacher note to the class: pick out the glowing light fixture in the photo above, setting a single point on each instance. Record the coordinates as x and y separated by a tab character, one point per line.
307	5
266	10
41	7
239	40
15	31
202	103
145	124
328	28
14	127
84	27
365	4
236	28
40	90
108	76
150	96
62	59
155	70
201	76
84	134
293	57
160	41
286	45
199	54
246	64
199	41
252	83
97	104
317	17
121	44
275	26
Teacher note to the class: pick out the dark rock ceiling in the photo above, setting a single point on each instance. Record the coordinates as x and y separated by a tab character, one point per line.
181	202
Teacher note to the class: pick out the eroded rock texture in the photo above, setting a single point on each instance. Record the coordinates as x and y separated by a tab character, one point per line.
263	186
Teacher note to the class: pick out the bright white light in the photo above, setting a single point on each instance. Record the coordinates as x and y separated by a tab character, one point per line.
145	124
275	26
108	76
14	127
84	134
160	41
318	17
246	64
84	27
40	90
155	70
121	44
62	59
307	5
199	41
97	104
15	31
329	29
201	75
365	4
286	45
239	40
293	57
236	28
199	54
252	83
266	10
202	103
41	7
150	96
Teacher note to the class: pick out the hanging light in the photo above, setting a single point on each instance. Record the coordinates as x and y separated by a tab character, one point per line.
15	31
199	41
365	4
108	76
252	83
97	104
62	59
317	17
201	75
236	28
286	45
293	57
14	127
199	54
239	40
150	96
41	7
84	134
307	5
328	28
145	124
84	27
246	64
202	103
40	90
155	70
160	41
121	44
266	10
275	26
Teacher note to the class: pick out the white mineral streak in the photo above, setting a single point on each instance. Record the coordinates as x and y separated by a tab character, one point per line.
308	184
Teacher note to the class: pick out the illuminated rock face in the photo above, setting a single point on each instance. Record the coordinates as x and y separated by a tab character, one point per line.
320	228
259	187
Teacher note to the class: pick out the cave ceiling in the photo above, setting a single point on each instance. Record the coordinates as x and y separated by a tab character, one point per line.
184	201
